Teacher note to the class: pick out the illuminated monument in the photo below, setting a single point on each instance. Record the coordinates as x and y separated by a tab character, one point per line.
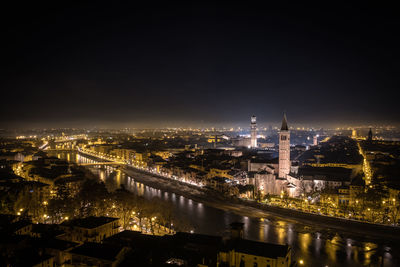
315	140
284	149
253	132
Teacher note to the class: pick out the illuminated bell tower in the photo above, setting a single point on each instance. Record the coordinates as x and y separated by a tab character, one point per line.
315	140
253	132
284	149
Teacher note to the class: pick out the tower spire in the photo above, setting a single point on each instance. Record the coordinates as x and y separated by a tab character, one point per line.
370	135
284	123
253	132
284	149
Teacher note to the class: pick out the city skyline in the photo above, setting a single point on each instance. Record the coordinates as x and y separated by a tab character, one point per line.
199	134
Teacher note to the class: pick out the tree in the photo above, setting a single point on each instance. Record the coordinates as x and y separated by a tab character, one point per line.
165	213
267	198
140	207
371	201
394	210
29	200
93	198
302	187
125	205
249	188
285	199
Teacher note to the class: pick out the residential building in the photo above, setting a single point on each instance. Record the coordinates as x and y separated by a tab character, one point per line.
90	229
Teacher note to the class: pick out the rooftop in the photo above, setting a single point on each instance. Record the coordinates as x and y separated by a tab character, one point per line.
197	238
97	250
325	173
89	222
56	243
132	238
250	247
46	230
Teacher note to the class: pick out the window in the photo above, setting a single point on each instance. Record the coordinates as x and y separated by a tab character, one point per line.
283	137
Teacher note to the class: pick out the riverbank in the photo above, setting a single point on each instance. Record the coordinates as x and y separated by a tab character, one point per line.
258	210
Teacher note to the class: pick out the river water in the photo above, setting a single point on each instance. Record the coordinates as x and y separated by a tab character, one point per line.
316	246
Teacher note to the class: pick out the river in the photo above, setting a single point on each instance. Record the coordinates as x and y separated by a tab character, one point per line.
314	245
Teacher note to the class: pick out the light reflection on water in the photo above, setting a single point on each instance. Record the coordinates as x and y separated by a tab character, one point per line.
316	246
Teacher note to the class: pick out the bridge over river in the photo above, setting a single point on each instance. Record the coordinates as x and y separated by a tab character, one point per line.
315	244
108	163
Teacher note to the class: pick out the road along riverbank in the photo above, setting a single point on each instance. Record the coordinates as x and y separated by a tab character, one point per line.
259	210
209	213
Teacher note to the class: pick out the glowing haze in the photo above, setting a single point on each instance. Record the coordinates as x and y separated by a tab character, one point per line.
200	64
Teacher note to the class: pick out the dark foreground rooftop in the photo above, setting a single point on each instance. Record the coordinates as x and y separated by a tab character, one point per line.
89	222
98	250
268	250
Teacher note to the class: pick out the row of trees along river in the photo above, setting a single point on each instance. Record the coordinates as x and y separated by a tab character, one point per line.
314	244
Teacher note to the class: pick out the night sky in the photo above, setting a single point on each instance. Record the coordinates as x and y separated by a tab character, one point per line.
198	64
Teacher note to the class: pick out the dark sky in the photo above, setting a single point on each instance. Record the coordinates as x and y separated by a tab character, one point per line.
198	64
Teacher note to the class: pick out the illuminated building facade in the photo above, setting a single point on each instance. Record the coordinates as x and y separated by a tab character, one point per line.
253	132
284	149
90	229
315	140
354	133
